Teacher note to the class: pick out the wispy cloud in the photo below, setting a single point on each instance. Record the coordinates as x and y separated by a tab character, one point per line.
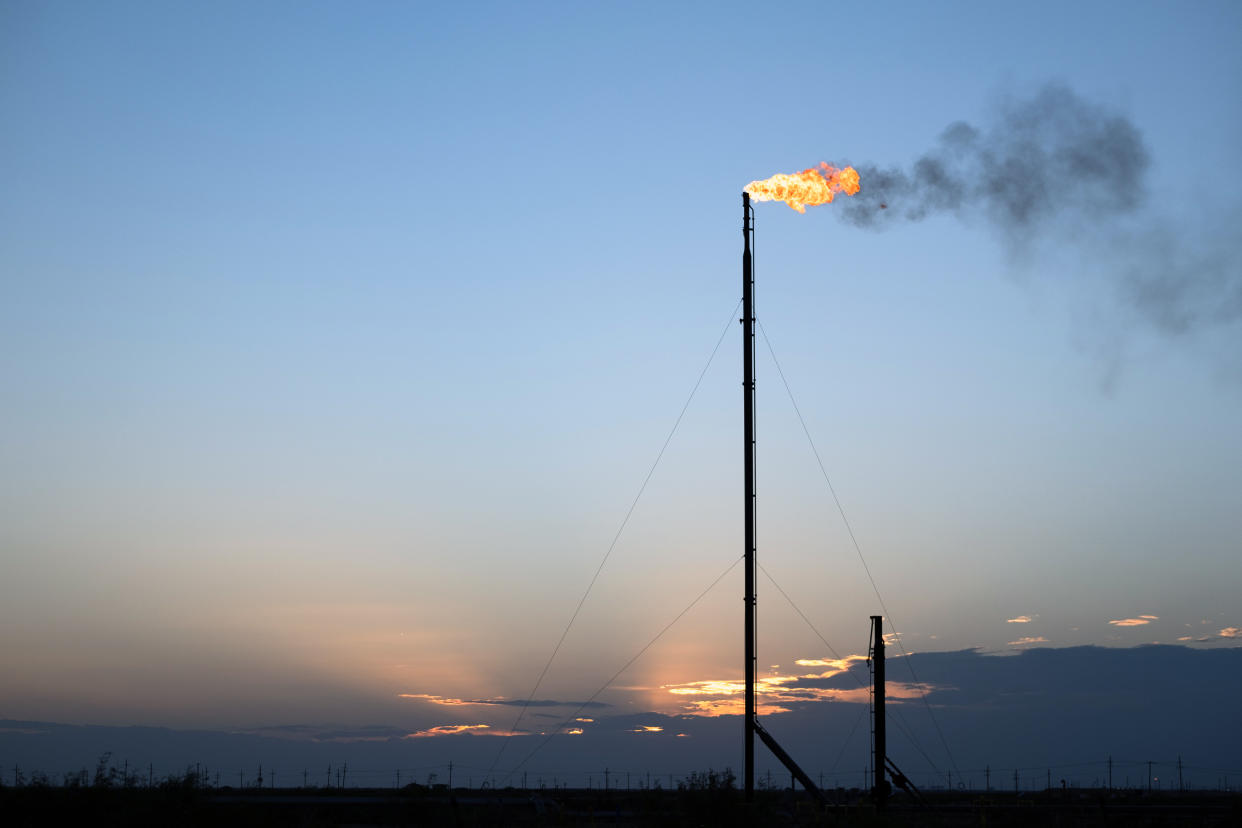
1134	622
841	665
1226	633
1021	619
464	730
449	701
1026	641
648	729
447	730
326	733
788	698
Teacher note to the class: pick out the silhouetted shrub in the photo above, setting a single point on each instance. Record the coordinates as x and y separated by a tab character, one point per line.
722	781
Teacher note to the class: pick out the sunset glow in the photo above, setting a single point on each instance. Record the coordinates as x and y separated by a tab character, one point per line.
780	693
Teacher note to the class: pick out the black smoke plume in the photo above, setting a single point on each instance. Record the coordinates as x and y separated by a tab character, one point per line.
1044	156
1055	163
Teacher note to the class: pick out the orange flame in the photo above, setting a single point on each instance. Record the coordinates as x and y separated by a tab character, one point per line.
810	187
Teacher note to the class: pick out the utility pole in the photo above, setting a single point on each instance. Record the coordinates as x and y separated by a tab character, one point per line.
605	779
151	775
450	776
303	777
987	779
879	787
1180	786
1149	776
1015	780
1049	783
1110	773
239	780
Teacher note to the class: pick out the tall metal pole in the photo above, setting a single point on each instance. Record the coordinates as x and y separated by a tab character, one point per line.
748	455
878	688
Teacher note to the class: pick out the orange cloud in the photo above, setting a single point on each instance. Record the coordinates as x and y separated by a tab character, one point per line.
444	700
1021	619
647	729
729	707
1134	622
840	665
449	701
448	730
777	693
1231	632
1028	640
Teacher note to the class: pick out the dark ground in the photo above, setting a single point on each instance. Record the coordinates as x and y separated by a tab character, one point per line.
416	806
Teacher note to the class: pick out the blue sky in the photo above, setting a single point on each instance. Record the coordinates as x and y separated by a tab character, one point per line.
336	341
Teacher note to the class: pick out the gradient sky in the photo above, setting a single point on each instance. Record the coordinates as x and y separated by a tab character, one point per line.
336	341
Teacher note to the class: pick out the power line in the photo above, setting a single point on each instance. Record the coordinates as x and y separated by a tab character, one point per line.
802	615
861	710
626	666
854	540
894	715
617	537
